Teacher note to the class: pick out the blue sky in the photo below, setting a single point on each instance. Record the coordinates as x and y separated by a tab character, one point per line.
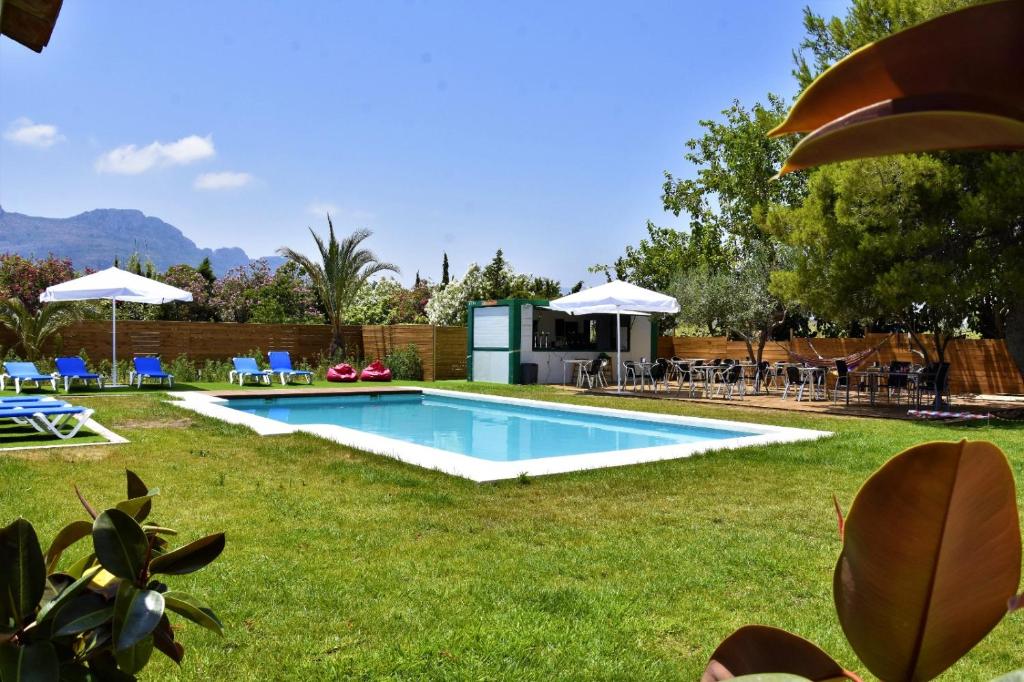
541	128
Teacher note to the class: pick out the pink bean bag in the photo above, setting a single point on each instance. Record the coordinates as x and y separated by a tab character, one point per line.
342	372
376	371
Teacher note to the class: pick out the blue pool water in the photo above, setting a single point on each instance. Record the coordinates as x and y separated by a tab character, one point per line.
483	429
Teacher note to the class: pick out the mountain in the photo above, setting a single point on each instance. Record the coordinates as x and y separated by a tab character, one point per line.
93	238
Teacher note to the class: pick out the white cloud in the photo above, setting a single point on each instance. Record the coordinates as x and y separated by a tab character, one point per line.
222	180
322	208
132	160
23	131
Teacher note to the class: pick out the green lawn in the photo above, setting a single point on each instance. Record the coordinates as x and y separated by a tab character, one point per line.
342	564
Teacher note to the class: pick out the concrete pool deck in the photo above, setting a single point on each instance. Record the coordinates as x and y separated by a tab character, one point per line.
217	405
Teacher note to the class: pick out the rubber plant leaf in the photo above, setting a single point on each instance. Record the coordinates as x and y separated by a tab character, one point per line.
34	662
138	507
76	588
136	614
188	606
190	557
135	487
909	125
931	554
86	612
120	544
760	650
134	658
22	572
976	52
68	535
163	640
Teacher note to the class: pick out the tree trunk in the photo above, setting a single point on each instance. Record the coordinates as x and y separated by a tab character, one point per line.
1015	333
924	348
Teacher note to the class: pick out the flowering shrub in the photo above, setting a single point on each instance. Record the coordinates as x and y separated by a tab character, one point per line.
252	293
27	278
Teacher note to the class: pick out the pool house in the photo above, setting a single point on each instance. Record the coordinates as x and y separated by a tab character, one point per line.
515	340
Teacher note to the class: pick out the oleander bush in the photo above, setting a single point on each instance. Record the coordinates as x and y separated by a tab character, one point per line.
101	616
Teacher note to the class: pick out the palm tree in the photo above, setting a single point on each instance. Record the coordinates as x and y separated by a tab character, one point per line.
343	269
35	328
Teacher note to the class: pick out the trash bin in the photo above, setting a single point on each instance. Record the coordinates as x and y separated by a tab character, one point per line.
528	373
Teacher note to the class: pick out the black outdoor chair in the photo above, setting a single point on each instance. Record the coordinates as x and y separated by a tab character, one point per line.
795	379
897	381
629	372
731	381
842	380
593	373
659	373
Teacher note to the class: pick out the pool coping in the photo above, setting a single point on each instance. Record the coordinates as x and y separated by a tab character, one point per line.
479	470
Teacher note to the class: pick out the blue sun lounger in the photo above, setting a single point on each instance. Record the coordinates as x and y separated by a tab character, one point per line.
247	367
48	416
149	368
20	372
281	365
73	369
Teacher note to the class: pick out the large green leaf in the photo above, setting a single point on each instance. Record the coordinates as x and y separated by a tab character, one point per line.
136	613
22	572
138	507
68	535
190	557
191	608
80	567
62	598
120	544
134	658
930	557
85	612
760	650
36	662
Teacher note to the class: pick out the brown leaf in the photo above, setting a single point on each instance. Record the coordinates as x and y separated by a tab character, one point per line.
759	649
931	556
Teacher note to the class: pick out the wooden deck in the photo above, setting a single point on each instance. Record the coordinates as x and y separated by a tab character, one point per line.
880	410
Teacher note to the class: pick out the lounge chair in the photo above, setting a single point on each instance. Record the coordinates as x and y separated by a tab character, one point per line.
48	418
247	367
149	368
375	371
20	372
73	369
281	365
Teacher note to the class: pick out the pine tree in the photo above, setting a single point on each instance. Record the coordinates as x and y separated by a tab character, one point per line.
416	285
445	277
206	270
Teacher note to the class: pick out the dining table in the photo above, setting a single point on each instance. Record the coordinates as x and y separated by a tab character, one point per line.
872	381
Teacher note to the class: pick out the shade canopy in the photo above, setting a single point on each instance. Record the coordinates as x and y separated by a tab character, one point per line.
114	284
616	297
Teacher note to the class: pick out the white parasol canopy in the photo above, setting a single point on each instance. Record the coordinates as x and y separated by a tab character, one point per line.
115	285
620	298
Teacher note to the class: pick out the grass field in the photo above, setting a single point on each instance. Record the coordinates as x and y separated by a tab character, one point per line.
341	564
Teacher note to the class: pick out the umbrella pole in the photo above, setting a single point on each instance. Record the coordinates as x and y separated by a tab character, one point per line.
618	350
114	345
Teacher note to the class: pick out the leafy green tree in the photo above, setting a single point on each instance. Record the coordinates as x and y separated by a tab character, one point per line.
987	223
880	238
653	263
727	203
375	303
206	270
342	269
497	277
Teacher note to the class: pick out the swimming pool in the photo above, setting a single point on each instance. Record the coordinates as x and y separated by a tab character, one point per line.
488	437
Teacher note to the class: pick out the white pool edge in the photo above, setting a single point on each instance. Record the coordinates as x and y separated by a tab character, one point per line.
482	470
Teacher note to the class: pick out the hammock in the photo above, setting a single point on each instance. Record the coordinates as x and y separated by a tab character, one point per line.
852	361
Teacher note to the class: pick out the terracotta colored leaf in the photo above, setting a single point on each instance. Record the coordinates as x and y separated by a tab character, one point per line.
931	556
906	126
759	649
977	51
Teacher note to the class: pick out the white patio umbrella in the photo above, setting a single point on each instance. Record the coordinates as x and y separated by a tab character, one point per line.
115	285
616	297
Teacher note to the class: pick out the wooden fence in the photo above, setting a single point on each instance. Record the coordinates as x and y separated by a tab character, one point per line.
442	350
976	365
